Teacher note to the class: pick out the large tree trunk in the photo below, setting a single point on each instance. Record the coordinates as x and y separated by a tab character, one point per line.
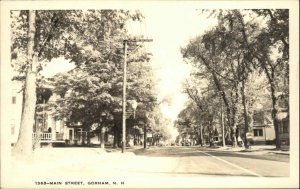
116	135
102	134
24	146
201	134
271	79
115	145
245	115
274	113
223	126
145	136
233	128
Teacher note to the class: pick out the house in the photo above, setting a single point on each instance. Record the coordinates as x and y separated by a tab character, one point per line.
15	110
263	131
47	128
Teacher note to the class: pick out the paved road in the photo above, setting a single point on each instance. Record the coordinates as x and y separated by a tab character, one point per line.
195	161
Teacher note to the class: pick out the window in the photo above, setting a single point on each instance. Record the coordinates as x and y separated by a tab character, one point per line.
258	132
14	100
12	127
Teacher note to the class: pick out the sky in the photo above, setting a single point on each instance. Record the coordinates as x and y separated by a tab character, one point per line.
170	29
57	65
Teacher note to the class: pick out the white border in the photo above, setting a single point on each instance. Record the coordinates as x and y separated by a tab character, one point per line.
293	6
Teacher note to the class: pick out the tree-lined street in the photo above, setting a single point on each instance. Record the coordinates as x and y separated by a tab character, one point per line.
214	102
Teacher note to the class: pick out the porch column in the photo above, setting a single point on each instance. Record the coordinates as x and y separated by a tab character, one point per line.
53	128
65	131
80	136
61	126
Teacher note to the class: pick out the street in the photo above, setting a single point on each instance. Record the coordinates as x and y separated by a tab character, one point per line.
195	161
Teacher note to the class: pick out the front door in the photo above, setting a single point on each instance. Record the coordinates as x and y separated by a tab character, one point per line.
70	134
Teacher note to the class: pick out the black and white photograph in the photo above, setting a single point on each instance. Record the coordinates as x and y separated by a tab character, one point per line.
149	94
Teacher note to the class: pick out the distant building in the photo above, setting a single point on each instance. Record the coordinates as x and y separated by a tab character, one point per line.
263	131
263	128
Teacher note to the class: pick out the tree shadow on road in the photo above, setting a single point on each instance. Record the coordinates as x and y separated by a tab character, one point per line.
190	152
167	152
271	157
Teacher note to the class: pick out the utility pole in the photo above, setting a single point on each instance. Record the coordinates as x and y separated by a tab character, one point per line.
124	98
125	41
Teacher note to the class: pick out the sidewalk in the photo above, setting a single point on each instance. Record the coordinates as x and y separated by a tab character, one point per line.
45	159
255	149
69	164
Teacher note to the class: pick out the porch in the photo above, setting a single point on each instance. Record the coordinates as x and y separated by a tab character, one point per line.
47	136
46	139
71	137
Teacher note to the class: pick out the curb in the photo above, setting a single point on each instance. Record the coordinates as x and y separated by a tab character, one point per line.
287	154
249	151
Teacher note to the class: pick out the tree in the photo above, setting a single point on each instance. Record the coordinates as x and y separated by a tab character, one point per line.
236	48
95	87
24	143
161	127
268	49
275	38
203	95
211	55
51	34
189	123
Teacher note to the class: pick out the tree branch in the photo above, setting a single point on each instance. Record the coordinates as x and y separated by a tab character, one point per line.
53	23
195	99
273	19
